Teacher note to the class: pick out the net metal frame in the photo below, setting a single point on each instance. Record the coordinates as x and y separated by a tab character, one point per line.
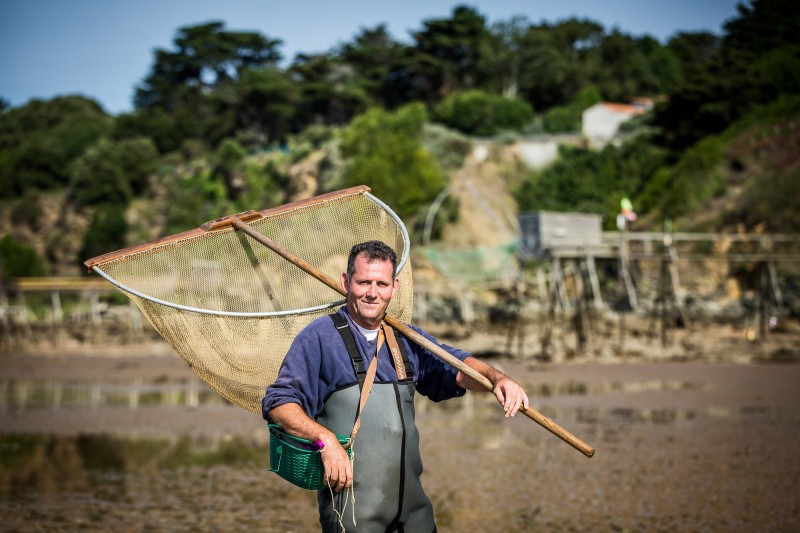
400	264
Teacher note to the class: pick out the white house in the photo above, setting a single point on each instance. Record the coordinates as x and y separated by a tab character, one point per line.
601	121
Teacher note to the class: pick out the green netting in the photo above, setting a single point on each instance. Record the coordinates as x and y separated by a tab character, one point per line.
476	264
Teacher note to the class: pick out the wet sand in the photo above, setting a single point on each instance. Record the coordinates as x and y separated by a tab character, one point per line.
680	447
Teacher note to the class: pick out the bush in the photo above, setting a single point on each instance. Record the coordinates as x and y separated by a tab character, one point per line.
28	210
448	147
40	140
563	119
106	233
96	178
479	113
385	153
110	172
19	260
568	118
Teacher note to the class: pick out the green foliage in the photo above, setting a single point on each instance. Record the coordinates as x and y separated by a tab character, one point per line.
39	141
385	154
448	147
772	200
111	172
97	179
106	232
19	259
230	153
781	69
692	181
157	124
587	181
315	135
195	199
479	113
561	120
266	107
568	118
448	51
28	210
138	159
754	64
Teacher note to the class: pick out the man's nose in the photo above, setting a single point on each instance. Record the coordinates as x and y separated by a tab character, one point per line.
372	291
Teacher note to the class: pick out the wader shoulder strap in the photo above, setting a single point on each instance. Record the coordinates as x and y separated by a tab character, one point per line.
400	358
350	343
365	376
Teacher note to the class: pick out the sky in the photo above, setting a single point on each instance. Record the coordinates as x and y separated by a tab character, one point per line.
102	49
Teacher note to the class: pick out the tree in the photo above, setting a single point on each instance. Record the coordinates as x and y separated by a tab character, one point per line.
329	91
39	141
585	180
206	58
553	74
619	69
568	118
384	153
111	172
106	232
479	113
502	57
18	259
374	56
266	106
197	84
736	78
449	51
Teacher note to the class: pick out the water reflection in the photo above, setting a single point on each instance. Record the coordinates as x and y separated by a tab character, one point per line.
58	463
23	395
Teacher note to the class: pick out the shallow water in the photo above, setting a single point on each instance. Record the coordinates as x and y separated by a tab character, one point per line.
678	448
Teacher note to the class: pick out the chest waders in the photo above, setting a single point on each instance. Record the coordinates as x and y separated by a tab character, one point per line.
387	462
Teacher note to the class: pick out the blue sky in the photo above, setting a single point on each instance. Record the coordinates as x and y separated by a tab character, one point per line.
102	49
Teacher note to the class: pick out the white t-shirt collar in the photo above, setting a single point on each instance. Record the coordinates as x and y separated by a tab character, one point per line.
370	334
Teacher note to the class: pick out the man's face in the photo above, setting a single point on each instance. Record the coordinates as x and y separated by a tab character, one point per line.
369	291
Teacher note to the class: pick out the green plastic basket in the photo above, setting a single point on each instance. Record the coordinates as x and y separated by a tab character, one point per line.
291	458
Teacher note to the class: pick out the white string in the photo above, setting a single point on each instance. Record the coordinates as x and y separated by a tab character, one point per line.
350	492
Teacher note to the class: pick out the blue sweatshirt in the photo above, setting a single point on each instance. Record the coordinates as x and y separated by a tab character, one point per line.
317	364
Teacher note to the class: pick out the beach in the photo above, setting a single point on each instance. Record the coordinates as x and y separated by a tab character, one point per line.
129	439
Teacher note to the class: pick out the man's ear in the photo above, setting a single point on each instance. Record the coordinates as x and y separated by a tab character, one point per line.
344	281
395	286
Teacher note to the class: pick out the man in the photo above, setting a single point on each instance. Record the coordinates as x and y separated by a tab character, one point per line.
316	394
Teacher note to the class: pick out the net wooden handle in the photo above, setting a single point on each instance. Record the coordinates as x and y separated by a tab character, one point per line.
416	337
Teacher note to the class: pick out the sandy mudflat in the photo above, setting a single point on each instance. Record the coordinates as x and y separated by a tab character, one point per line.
693	446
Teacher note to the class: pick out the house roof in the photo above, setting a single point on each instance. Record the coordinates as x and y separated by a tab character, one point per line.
627	109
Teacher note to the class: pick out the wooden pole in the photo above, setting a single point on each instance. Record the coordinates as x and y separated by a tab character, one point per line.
436	350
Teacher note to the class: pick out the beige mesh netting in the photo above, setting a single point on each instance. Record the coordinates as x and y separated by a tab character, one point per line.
231	307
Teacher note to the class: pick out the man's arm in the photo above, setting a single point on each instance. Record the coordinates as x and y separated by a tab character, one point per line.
338	470
506	390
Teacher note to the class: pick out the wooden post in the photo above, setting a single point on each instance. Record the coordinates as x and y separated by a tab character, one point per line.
624	266
675	283
590	265
763	299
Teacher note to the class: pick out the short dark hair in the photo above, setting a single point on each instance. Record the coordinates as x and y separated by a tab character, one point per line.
373	251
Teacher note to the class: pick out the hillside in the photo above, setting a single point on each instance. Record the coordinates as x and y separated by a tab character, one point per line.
756	188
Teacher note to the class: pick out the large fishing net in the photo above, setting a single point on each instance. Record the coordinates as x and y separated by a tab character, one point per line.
231	307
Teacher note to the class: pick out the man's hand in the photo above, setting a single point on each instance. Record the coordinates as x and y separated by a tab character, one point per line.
338	470
506	390
510	395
